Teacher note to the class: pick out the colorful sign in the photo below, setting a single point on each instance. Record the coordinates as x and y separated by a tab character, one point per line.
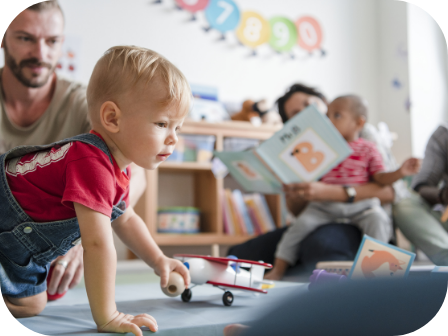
283	34
222	15
253	30
310	34
192	6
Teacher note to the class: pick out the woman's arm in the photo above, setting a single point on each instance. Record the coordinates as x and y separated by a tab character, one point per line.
299	194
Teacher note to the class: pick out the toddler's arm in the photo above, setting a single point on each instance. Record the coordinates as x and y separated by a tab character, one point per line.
410	167
100	265
134	233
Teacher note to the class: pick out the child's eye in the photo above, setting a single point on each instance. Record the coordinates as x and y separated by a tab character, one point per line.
161	124
177	129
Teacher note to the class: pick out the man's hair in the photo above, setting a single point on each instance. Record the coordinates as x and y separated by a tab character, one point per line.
122	68
45	5
294	89
357	105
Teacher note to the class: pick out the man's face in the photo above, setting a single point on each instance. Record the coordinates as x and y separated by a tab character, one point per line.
33	44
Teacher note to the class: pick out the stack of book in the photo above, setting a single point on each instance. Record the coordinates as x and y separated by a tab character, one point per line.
245	214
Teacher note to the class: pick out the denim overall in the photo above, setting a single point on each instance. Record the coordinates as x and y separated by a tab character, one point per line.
27	247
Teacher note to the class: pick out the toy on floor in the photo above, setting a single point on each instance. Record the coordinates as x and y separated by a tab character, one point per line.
322	277
56	296
224	273
257	113
176	285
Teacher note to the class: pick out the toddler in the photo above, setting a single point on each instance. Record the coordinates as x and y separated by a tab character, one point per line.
52	196
348	114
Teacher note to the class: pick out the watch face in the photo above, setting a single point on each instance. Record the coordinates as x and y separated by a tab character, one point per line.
351	192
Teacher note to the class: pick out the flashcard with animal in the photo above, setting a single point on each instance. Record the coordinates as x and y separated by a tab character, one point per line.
376	259
306	148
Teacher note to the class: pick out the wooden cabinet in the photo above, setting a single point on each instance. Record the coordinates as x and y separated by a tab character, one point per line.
204	188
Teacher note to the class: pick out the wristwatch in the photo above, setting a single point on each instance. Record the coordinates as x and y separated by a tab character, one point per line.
351	193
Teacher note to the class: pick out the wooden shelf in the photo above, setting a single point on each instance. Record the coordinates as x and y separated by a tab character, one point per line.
203	185
170	239
185	166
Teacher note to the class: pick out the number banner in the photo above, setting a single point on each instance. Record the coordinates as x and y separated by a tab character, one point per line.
310	33
222	15
253	29
192	6
283	34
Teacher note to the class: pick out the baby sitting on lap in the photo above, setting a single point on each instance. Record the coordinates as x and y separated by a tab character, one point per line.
348	114
52	196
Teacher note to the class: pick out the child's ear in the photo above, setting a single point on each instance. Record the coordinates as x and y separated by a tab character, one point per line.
361	121
110	115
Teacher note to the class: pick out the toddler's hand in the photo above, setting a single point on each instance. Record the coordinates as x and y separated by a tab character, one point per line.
410	167
124	323
164	266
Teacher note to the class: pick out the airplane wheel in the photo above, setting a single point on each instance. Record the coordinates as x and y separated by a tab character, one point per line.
186	295
227	299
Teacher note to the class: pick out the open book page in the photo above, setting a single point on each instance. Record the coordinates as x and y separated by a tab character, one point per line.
305	149
250	172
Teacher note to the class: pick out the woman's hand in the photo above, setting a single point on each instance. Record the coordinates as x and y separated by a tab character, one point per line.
124	323
163	266
67	277
305	191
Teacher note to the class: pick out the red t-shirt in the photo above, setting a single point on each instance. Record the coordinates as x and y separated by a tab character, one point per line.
359	167
46	183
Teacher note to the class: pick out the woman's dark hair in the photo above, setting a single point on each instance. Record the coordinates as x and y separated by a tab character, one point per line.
293	89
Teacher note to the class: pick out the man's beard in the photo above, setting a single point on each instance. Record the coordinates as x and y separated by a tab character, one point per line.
17	69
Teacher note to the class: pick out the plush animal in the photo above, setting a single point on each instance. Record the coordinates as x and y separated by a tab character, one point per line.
257	113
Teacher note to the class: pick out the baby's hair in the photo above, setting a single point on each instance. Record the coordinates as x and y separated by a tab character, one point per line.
122	68
357	105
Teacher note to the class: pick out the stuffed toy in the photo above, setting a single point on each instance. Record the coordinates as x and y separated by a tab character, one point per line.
257	113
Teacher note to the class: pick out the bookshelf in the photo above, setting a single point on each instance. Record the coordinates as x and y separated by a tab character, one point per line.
205	189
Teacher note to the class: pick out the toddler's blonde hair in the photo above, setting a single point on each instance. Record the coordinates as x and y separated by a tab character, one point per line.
121	68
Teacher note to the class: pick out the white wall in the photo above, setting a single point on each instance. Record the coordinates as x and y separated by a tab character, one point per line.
428	77
350	38
394	66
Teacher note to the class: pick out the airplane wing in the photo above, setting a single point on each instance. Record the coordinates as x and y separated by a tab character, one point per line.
219	284
225	261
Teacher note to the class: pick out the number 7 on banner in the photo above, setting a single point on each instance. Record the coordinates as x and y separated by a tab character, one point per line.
222	15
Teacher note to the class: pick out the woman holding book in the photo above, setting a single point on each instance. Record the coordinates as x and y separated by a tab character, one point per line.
329	242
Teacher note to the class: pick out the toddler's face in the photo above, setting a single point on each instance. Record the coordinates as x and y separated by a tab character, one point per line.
343	119
148	131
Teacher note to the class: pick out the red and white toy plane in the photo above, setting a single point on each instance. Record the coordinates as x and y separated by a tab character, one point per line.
224	273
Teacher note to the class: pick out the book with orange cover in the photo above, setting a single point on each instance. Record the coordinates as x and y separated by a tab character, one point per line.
233	215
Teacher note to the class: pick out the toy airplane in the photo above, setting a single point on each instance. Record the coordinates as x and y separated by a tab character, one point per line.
224	273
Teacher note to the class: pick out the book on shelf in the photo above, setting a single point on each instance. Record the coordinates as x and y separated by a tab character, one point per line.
245	214
305	149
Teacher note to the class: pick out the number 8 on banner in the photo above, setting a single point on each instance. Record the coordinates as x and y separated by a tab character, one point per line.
253	30
222	15
283	34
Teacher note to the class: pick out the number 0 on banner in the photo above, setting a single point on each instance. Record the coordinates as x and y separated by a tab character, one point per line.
253	30
310	34
222	15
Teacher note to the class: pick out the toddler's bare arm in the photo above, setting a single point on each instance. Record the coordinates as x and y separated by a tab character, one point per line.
100	264
410	167
135	234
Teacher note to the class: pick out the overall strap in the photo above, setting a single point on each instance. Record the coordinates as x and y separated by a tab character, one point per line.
87	138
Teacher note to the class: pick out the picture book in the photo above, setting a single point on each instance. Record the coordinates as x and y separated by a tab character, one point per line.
305	149
377	259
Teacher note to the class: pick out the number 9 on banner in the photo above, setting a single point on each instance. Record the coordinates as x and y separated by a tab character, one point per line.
283	34
310	34
253	30
222	15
